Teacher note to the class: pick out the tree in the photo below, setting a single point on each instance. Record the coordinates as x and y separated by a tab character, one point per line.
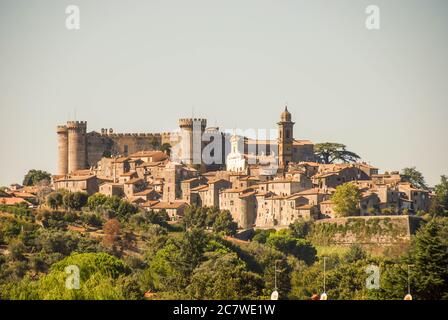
34	176
102	277
428	266
111	232
300	228
224	276
415	177
126	209
346	199
283	241
75	200
96	200
166	147
55	200
224	223
195	217
439	205
329	152
261	236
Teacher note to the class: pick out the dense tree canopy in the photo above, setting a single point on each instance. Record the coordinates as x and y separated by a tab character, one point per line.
330	152
439	205
415	177
346	200
33	177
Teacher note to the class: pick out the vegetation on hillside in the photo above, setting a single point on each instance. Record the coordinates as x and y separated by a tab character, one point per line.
123	252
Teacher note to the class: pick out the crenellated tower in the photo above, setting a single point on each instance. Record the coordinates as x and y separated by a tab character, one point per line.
191	140
77	145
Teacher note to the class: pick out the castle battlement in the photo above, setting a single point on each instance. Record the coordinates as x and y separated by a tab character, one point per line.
188	122
61	129
77	124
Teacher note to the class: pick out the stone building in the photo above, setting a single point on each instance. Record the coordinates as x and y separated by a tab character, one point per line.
242	205
78	183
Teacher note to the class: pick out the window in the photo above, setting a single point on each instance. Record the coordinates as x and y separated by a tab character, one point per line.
125	149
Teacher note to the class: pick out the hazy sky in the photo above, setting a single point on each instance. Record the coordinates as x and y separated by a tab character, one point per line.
137	66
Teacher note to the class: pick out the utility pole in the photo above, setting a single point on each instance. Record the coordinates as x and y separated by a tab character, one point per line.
324	296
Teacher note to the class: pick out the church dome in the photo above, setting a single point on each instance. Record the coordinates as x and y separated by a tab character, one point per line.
285	116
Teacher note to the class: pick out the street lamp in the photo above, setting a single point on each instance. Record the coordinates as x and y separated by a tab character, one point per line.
324	296
274	294
409	296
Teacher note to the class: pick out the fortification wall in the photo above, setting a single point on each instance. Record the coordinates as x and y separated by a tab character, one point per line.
376	230
101	144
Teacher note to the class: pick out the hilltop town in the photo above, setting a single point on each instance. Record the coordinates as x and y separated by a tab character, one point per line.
271	188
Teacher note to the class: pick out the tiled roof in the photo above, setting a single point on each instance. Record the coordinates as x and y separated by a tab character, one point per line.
169	205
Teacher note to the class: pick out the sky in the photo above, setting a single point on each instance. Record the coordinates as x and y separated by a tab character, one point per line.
138	66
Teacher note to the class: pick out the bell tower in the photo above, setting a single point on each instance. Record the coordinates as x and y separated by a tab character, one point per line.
285	138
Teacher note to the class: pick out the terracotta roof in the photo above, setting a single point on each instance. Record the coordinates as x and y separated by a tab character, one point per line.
329	201
312	191
150	164
169	205
282	181
23	194
121	159
145	192
135	181
12	201
247	194
189	180
148	153
199	188
149	203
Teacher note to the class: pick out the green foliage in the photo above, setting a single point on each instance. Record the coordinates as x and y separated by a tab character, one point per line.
224	223
75	200
300	228
346	199
55	200
195	217
33	177
145	218
125	210
329	152
96	200
283	241
439	204
428	260
101	277
224	276
261	235
415	177
166	147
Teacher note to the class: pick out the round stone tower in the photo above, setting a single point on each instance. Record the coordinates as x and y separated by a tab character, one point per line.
191	140
77	145
62	150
